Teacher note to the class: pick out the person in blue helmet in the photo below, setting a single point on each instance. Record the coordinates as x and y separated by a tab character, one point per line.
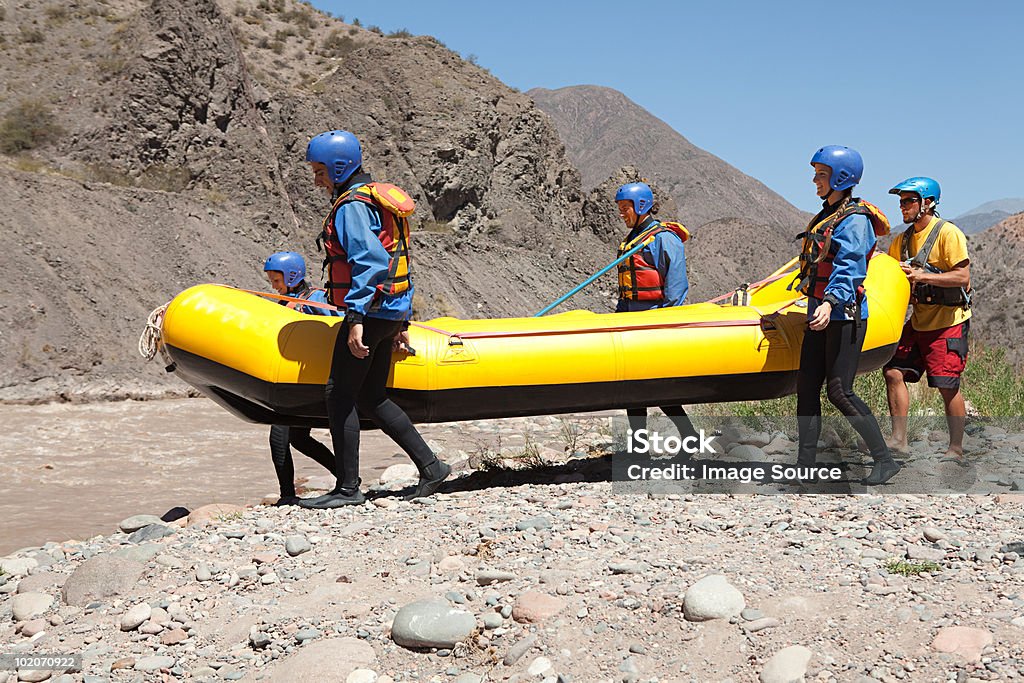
286	272
653	277
834	258
933	253
366	239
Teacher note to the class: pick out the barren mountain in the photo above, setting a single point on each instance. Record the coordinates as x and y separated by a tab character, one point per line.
983	217
741	230
975	223
603	129
153	145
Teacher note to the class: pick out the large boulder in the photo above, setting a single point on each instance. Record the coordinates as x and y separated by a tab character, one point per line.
101	577
431	623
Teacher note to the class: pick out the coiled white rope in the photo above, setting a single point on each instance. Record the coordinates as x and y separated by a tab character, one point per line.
150	341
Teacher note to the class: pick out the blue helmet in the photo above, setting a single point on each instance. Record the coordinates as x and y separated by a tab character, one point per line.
290	264
923	187
846	164
339	151
638	193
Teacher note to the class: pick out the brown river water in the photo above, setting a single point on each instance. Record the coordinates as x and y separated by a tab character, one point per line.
72	471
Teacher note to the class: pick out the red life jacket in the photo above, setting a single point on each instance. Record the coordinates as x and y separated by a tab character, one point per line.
819	250
638	279
394	207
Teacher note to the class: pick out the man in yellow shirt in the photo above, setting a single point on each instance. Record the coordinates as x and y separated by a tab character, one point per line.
933	253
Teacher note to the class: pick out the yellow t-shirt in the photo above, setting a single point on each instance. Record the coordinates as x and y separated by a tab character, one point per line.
950	249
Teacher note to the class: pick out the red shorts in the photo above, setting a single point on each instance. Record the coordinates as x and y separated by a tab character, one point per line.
942	353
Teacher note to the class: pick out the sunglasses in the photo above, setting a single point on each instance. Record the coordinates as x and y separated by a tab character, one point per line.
909	201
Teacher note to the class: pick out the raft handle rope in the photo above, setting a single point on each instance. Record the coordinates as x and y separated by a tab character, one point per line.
150	342
456	338
287	299
753	286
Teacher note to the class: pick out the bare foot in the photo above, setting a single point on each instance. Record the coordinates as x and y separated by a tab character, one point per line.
897	446
956	455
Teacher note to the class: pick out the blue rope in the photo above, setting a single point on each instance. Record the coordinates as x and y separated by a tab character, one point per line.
577	288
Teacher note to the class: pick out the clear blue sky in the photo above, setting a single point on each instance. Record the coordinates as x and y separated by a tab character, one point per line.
930	88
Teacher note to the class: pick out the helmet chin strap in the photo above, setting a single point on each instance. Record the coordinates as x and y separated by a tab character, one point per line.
925	205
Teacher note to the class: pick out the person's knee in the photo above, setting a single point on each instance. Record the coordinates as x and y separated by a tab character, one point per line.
893	377
370	406
299	440
808	405
841	397
949	394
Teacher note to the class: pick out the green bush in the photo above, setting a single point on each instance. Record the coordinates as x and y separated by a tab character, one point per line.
112	175
337	45
28	125
991	384
32	35
301	18
908	568
166	177
110	66
57	14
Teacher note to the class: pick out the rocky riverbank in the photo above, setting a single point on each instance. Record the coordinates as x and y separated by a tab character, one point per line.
529	568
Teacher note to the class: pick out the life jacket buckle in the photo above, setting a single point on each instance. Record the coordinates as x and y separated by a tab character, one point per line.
741	297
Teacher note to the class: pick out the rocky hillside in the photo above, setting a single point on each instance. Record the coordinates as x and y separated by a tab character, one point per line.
603	129
996	264
152	145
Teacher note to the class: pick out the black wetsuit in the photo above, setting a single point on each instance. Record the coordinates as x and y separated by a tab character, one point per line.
831	357
299	437
281	436
362	382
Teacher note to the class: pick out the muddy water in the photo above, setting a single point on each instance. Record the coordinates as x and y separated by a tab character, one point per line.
74	471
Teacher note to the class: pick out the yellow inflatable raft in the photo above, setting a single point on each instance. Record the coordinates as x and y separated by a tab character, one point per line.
267	363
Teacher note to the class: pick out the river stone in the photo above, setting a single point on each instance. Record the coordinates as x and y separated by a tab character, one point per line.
296	545
787	665
40	582
152	532
216	512
25	606
136	522
431	623
339	656
139	553
154	663
133	618
101	577
713	597
18	566
399	474
965	641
